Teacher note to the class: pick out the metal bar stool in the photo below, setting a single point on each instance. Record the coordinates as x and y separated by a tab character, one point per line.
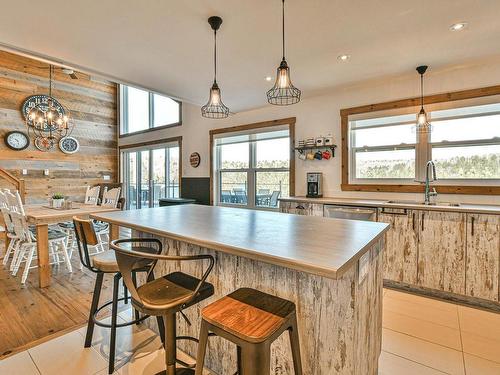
102	263
252	320
165	296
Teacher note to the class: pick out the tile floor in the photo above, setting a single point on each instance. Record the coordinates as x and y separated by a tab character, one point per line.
421	336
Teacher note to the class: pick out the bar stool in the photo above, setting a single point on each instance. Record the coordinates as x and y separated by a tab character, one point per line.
252	320
166	296
105	263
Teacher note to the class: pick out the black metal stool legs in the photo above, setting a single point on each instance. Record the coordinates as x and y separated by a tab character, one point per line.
93	309
114	315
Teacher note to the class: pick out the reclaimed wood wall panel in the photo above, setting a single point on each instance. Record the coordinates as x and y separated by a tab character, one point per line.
441	258
400	257
92	105
483	256
340	321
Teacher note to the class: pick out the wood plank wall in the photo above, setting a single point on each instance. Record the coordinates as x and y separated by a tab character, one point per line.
92	105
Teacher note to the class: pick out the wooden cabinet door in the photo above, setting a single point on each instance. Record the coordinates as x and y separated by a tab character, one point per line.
483	253
441	251
302	208
400	255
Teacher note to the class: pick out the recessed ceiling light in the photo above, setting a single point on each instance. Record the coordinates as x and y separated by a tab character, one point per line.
343	57
458	26
269	78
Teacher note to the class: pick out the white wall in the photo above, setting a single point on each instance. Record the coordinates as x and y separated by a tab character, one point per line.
319	115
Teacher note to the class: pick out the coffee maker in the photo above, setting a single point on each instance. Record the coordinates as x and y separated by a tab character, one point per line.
314	185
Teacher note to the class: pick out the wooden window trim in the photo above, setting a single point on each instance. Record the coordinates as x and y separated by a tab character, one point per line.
290	121
404	103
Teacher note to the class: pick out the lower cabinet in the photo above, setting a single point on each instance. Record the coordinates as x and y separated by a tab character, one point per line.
483	256
441	251
400	255
301	208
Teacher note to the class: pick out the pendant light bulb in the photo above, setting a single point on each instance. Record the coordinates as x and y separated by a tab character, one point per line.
283	92
215	108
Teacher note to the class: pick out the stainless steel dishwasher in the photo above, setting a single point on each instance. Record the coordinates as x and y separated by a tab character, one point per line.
350	212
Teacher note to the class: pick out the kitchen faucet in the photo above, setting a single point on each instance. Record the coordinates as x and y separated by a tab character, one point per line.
428	193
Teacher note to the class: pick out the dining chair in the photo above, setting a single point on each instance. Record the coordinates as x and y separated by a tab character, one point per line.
273	201
28	245
9	227
92	195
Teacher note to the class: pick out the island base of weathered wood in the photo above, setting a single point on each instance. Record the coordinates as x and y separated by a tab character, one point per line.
340	320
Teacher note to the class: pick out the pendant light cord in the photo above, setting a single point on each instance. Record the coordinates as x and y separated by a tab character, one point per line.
215	56
50	80
283	27
422	90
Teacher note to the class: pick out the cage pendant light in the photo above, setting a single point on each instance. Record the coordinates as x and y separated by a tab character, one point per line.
283	92
422	125
215	108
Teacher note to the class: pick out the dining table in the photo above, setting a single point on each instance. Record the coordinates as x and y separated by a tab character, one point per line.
41	216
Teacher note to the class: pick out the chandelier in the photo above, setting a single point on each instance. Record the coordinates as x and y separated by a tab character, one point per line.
215	108
283	92
47	119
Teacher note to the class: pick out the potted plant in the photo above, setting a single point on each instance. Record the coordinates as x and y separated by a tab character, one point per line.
57	200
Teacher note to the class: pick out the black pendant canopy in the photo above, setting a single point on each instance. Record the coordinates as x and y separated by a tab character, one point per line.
215	108
283	92
422	125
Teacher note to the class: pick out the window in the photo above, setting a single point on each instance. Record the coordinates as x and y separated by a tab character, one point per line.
151	173
252	168
142	110
384	150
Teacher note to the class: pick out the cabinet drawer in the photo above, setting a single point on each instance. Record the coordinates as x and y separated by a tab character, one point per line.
302	208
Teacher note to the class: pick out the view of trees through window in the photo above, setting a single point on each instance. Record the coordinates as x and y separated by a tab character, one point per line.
253	173
464	144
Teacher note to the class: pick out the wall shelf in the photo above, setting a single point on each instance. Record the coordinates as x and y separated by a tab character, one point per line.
307	148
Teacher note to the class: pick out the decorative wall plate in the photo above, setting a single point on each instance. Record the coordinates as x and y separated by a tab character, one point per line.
17	140
44	144
69	145
194	159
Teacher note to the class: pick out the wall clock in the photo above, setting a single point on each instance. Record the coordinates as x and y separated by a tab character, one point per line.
17	140
42	102
69	145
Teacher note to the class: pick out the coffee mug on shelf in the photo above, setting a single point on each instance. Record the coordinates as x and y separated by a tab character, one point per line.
318	155
327	154
320	141
328	140
310	156
302	156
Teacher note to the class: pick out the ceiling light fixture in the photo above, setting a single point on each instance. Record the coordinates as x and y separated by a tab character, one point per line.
343	57
458	26
215	108
422	125
283	92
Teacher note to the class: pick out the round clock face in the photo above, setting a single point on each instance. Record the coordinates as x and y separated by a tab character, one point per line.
69	145
41	102
17	140
44	144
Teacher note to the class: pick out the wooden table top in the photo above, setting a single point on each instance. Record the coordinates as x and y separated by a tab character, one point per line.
321	246
42	214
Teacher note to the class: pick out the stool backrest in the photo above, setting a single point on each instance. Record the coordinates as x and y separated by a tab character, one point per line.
128	258
85	236
92	195
110	197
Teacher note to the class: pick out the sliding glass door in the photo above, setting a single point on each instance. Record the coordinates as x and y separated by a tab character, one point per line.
150	174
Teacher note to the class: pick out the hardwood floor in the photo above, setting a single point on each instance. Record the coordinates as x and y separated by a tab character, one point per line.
29	315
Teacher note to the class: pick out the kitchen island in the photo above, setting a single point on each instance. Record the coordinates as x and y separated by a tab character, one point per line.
331	269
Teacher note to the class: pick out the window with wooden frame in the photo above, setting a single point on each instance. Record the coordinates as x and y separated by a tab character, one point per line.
381	151
252	165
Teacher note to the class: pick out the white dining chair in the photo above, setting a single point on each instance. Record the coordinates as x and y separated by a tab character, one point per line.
110	199
28	246
9	227
92	195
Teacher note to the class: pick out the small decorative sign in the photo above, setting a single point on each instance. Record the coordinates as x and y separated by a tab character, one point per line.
194	159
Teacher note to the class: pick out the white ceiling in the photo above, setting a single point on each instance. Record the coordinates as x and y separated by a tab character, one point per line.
166	45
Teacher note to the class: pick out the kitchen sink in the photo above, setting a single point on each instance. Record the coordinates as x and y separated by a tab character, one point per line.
448	204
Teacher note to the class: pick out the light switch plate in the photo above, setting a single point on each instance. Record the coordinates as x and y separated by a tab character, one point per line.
24	172
106	177
363	266
46	172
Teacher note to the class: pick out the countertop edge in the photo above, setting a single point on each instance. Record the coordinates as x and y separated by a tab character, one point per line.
247	253
360	202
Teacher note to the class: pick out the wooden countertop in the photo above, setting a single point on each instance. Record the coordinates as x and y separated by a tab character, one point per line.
464	207
317	245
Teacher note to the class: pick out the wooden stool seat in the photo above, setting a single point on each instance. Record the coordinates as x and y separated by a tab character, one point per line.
249	314
252	320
